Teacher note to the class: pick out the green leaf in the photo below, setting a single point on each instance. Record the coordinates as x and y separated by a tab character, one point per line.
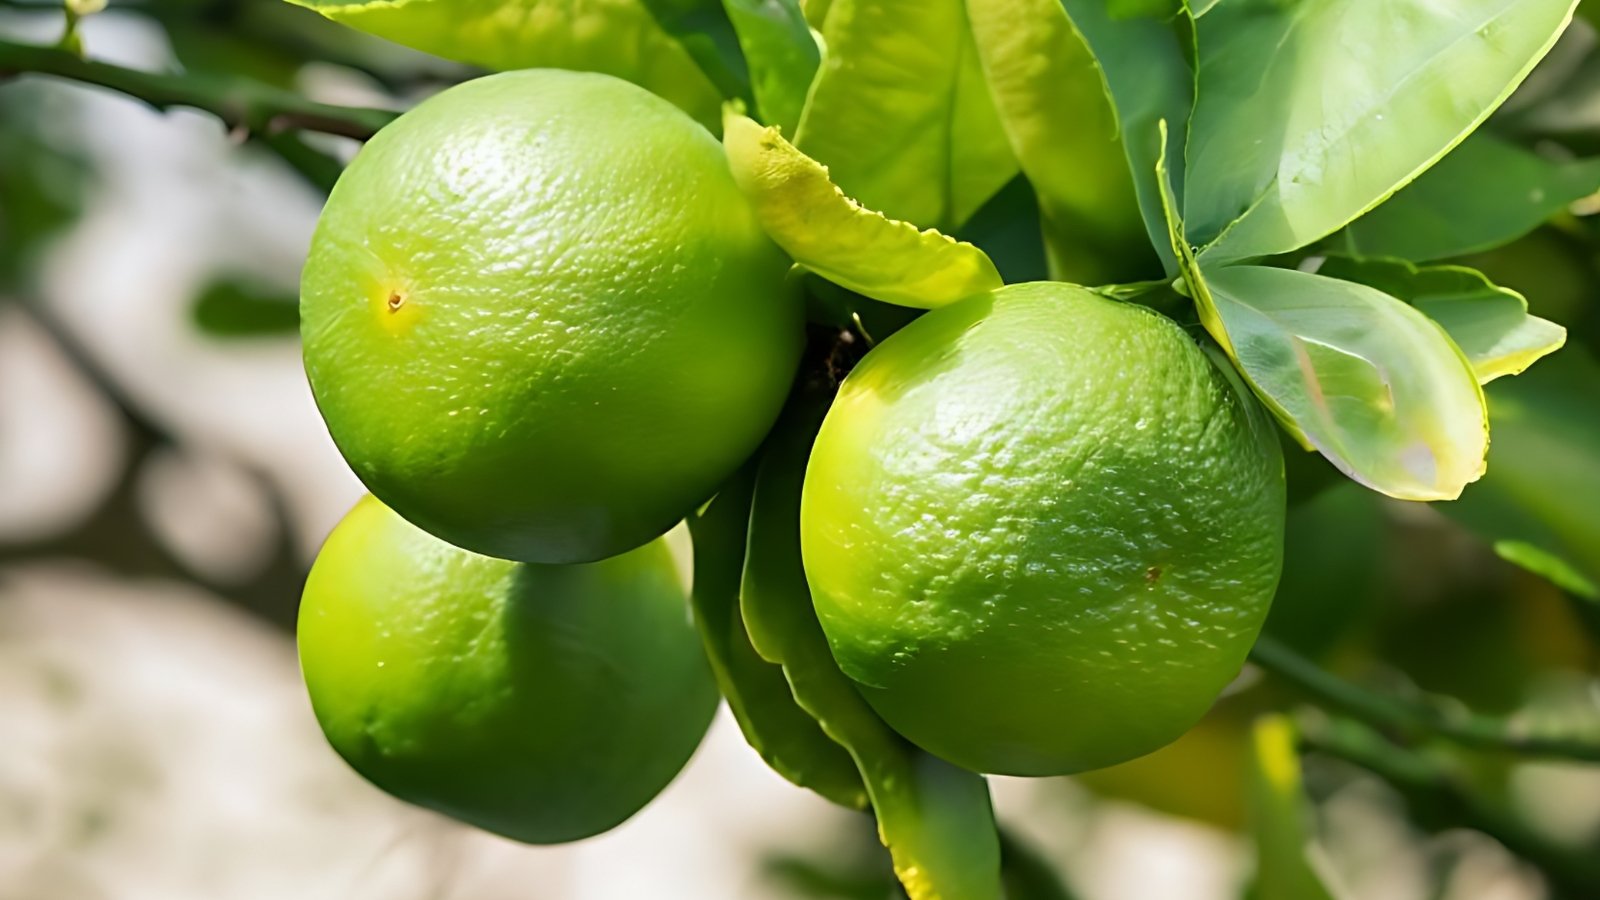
1311	112
1549	566
1539	504
832	235
1489	323
1057	111
781	53
1278	816
1370	382
1150	81
900	113
1485	193
1374	385
786	736
935	818
617	37
241	308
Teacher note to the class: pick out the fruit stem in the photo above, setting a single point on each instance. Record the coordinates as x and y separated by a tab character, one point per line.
247	107
1438	795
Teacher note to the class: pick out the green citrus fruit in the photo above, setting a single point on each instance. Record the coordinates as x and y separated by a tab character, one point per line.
1042	530
545	703
540	319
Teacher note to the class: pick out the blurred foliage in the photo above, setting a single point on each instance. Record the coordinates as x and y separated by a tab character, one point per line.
43	181
244	308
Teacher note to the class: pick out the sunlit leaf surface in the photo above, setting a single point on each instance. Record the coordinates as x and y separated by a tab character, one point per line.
900	112
1311	112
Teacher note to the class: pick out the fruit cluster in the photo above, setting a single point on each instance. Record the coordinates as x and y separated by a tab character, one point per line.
1039	528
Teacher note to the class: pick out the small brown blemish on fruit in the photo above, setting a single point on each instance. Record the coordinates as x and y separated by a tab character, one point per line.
396	301
1152	574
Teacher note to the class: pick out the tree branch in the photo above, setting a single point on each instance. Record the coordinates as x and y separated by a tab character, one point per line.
241	103
1439	796
1417	717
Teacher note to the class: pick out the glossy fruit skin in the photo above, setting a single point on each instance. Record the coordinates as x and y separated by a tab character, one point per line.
540	320
543	703
1042	530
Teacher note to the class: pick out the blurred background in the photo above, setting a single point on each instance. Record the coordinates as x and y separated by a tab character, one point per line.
165	482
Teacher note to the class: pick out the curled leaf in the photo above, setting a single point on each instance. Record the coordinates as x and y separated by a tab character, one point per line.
832	235
1374	385
1370	382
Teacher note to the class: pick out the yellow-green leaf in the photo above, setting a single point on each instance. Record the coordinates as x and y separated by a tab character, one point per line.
1489	323
935	818
1056	108
617	37
900	113
815	11
832	235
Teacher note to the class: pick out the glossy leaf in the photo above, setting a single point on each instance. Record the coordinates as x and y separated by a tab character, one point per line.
900	113
1485	193
1310	113
786	736
1150	82
935	818
1539	505
1278	816
1370	382
1490	324
617	37
1057	111
832	235
1374	385
781	54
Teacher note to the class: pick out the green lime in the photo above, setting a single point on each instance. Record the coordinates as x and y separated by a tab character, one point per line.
540	319
1042	530
544	703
